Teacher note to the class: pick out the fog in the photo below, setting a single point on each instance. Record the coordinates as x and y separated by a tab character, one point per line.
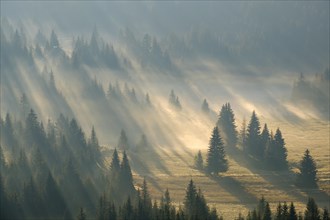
112	67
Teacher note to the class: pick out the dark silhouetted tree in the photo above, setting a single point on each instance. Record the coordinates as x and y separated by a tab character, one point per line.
253	136
312	211
265	138
307	175
216	157
292	212
267	213
226	125
325	215
243	135
125	176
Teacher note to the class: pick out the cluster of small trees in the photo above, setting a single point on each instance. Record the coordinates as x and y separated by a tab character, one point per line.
286	212
262	145
174	100
140	206
265	146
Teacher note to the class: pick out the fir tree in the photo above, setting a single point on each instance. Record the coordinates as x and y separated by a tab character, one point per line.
125	176
325	215
292	212
243	135
199	161
216	161
307	176
312	211
226	125
253	135
123	141
190	199
265	138
267	214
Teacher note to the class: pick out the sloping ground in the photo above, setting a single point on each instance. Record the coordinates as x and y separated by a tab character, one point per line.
239	189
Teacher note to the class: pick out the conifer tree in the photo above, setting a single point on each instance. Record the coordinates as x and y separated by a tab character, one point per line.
205	106
125	176
243	135
226	125
280	151
216	157
267	214
307	176
265	138
81	215
190	199
292	212
253	135
123	141
325	215
199	161
312	211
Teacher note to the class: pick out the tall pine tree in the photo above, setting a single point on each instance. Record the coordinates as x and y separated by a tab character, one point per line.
216	157
307	176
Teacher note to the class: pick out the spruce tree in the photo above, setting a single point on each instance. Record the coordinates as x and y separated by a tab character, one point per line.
243	134
216	157
265	137
325	215
267	214
253	135
190	199
199	161
125	176
307	176
123	141
312	211
292	212
226	124
280	150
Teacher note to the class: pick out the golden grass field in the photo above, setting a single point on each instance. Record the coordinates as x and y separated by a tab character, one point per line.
239	189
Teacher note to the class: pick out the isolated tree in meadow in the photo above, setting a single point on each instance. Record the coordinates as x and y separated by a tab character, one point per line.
276	152
226	125
199	161
216	157
205	106
312	211
307	175
253	135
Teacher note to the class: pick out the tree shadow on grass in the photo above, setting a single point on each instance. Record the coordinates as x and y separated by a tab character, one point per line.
282	180
235	188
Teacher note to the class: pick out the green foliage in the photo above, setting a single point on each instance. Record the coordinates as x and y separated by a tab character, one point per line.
216	157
